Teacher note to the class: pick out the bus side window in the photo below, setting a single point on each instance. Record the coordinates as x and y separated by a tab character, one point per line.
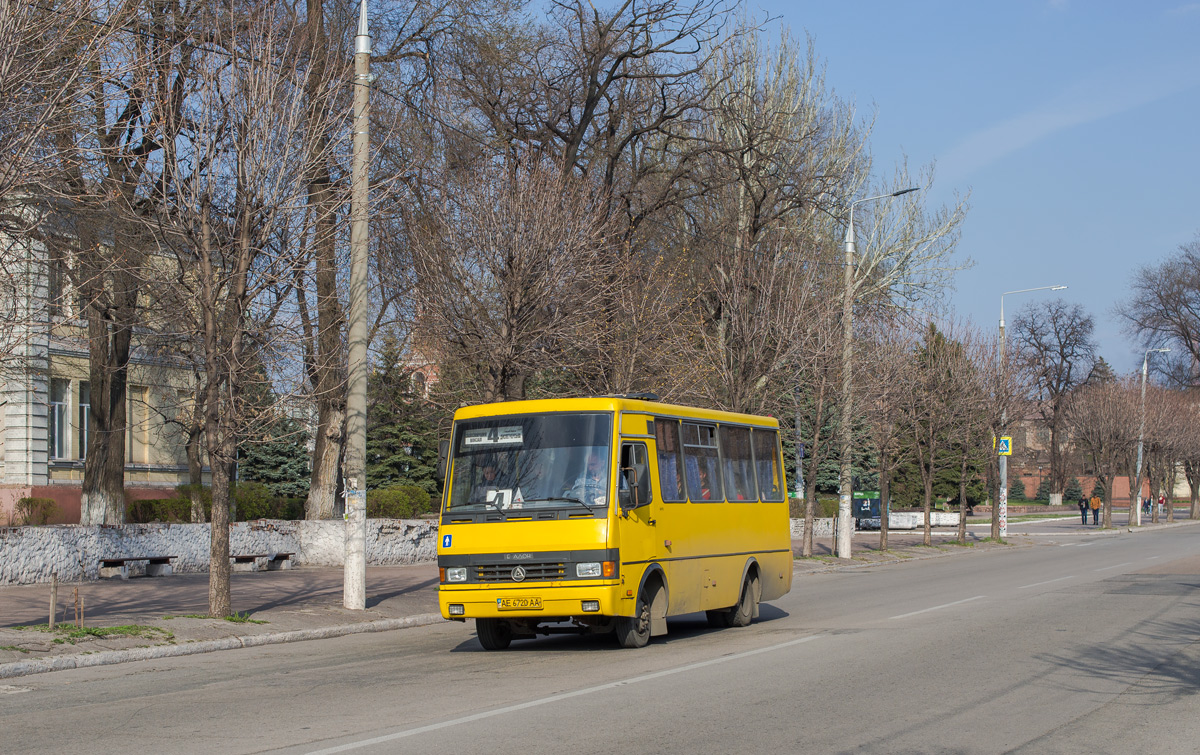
635	475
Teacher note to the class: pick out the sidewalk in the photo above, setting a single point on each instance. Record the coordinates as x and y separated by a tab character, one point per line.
159	616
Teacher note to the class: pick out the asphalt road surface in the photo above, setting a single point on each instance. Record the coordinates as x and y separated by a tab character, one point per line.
1085	646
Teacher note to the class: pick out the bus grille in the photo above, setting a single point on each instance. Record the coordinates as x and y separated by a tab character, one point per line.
535	572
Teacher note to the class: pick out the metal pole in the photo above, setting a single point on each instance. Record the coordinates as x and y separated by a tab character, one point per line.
1135	493
844	528
354	591
1002	503
1002	496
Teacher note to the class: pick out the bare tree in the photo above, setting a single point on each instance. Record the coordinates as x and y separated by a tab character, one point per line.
1053	342
936	400
237	205
1163	309
1104	417
510	272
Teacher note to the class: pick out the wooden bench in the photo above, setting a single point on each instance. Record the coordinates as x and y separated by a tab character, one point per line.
118	568
273	561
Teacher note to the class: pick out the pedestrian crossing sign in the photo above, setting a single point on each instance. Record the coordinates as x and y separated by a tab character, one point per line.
1004	447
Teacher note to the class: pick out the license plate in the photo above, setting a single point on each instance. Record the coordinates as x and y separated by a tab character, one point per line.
518	604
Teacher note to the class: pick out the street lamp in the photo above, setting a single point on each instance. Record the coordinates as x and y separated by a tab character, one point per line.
1002	503
844	528
1135	493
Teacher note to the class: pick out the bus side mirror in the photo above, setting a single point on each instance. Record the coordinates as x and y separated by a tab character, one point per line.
443	455
627	496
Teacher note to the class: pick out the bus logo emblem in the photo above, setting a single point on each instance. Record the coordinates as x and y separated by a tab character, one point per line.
518	574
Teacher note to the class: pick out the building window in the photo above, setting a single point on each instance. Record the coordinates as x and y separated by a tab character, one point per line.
59	389
85	417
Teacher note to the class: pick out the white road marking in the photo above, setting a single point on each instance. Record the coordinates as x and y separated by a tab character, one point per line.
1151	558
1039	584
935	608
555	698
8	689
1115	566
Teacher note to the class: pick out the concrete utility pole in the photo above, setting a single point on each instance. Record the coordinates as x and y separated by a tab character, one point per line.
1002	503
1135	492
845	529
354	590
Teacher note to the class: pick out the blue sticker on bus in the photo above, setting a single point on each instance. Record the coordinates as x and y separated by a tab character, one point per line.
446	541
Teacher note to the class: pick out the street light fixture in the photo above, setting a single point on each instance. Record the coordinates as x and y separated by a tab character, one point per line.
844	528
1002	503
1135	493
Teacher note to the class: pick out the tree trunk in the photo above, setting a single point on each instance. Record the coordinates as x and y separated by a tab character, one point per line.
221	452
103	496
962	501
326	452
810	503
1192	472
928	539
326	366
885	504
196	473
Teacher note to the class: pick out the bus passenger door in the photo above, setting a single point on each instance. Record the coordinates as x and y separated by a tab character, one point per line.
640	519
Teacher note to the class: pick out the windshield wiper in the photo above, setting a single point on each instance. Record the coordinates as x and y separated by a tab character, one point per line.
568	499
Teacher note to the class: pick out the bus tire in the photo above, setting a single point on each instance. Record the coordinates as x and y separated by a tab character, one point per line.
494	634
741	614
719	619
634	631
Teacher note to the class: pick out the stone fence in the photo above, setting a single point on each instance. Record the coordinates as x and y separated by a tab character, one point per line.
32	554
73	552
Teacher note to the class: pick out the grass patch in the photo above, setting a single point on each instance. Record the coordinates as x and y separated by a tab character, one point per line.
169	616
961	543
244	618
14	648
68	633
993	540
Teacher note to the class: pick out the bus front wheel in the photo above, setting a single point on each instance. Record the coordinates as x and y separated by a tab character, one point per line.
634	631
494	634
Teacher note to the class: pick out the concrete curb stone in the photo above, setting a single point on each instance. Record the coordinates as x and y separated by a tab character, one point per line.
110	657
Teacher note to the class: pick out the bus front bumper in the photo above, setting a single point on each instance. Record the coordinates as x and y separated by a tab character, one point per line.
544	602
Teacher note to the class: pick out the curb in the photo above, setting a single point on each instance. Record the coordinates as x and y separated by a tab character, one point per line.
1161	526
110	657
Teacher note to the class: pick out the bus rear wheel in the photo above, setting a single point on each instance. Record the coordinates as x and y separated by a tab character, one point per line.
741	614
634	631
494	634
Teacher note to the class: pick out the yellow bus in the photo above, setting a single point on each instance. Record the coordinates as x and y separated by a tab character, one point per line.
610	514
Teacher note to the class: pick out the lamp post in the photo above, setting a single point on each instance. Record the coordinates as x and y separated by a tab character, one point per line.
1135	493
844	528
1002	503
354	589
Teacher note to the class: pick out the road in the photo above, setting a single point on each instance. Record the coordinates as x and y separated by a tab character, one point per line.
1088	645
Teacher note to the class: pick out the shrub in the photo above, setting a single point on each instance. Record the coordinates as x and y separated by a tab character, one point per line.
171	510
397	502
36	511
1097	490
253	501
184	492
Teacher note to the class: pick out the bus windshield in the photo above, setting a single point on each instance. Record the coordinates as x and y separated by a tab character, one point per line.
537	461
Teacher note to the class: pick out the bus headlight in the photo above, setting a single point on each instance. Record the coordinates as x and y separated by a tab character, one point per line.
456	574
456	609
590	606
587	569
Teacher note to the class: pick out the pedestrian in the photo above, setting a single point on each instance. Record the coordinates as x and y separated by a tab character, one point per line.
1095	509
1162	504
1083	508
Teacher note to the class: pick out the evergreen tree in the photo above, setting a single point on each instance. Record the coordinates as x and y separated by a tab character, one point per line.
1016	490
1073	492
402	428
1101	372
274	450
1043	491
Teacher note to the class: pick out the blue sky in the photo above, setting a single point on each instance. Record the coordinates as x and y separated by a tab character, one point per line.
1074	125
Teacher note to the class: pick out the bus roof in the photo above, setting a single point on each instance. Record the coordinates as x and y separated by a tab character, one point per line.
609	403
